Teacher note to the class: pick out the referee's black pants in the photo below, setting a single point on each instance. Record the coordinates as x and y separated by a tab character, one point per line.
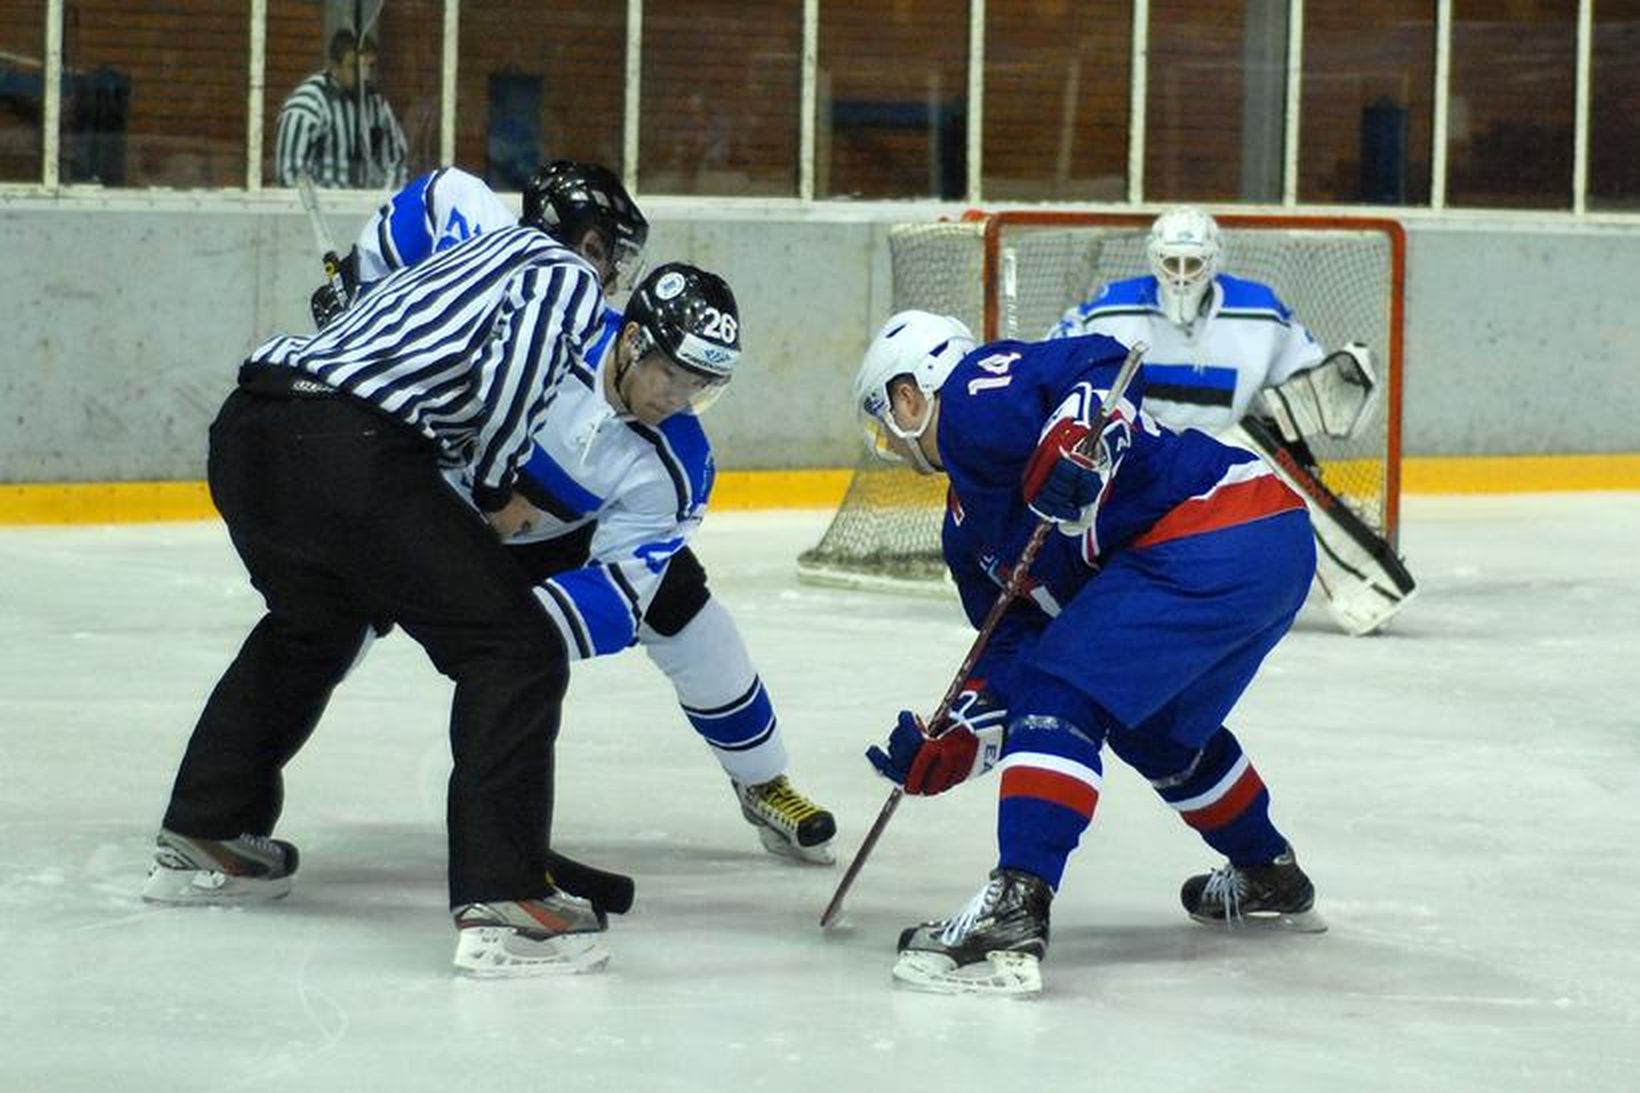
342	517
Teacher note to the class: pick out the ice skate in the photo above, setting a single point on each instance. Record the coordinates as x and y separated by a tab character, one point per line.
212	872
1275	895
994	946
790	825
553	935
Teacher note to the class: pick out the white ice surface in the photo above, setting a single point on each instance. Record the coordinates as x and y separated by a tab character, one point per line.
1464	790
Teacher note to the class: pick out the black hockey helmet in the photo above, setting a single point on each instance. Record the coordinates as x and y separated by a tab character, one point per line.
690	316
567	197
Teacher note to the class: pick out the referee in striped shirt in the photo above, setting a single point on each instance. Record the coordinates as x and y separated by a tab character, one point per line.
326	465
332	131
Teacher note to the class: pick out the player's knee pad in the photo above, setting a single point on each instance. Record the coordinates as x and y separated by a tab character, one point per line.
545	558
1046	703
1046	734
681	595
706	659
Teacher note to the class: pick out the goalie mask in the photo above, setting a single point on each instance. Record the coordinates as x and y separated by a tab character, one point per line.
1184	255
918	344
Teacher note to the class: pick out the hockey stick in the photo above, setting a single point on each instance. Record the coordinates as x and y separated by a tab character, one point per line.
321	233
1298	466
1010	590
606	891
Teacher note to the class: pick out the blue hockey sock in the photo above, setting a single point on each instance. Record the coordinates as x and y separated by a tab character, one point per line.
1051	777
1215	790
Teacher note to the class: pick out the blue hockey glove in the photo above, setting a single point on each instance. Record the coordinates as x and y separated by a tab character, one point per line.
1063	483
924	766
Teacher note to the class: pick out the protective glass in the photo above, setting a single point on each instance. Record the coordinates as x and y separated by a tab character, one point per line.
618	267
885	439
680	385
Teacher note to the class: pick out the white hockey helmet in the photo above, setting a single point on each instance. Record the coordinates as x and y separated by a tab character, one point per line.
919	344
1184	253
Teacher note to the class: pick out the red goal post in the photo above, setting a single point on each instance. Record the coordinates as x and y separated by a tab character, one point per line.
1013	274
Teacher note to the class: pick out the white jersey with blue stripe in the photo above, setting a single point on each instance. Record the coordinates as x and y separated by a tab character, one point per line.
433	213
646	487
1206	375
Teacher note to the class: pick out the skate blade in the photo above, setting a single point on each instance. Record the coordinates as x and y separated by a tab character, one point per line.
1301	922
1002	973
501	952
207	888
775	843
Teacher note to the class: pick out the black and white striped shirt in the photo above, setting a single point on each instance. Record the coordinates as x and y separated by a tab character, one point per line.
468	347
319	132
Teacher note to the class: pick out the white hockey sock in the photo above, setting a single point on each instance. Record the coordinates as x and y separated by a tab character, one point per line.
721	694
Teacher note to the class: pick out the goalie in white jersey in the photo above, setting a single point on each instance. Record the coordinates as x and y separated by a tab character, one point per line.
624	490
1227	357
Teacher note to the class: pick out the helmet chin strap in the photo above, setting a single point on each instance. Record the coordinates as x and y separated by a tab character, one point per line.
913	439
622	367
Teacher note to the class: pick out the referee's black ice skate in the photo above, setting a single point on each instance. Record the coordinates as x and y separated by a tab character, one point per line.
554	934
1278	894
213	872
994	946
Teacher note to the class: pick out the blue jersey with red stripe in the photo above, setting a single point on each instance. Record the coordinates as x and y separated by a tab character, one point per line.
994	408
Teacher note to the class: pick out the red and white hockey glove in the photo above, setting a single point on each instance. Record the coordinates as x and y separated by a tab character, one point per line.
1063	483
925	766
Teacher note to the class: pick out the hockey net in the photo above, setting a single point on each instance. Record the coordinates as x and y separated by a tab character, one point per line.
1015	274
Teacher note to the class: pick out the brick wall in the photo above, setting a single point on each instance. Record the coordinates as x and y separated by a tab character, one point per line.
721	91
186	61
22	49
873	54
578	51
1614	120
1194	108
1353	57
1056	102
1510	123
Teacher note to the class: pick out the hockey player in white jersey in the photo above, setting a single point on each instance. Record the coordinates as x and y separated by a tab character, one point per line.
1227	357
609	483
432	213
623	471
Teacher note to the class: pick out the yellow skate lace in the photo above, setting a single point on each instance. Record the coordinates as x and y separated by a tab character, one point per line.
788	805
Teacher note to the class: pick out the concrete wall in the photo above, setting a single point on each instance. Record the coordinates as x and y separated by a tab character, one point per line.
123	326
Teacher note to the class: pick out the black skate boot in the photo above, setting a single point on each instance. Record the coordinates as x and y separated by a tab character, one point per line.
553	934
211	872
995	946
1278	894
788	823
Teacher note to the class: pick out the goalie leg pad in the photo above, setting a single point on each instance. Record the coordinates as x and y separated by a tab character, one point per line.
1362	596
1366	584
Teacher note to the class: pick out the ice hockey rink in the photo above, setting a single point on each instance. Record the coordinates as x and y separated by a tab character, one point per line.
1463	789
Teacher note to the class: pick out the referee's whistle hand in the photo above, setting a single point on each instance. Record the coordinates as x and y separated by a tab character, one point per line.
515	518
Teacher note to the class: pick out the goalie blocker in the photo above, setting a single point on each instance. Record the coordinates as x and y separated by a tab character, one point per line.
1366	584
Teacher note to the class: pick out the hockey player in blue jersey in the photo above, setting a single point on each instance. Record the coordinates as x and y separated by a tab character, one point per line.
624	491
1228	357
1181	564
